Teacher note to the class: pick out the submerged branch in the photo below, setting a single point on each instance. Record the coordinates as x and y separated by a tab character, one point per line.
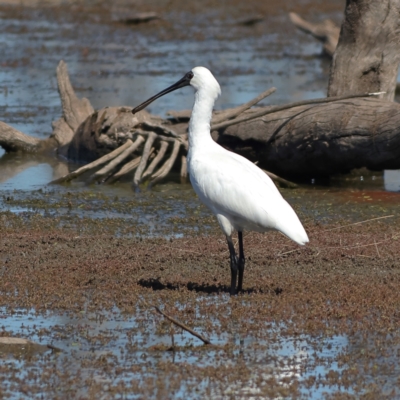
118	160
94	164
126	169
282	182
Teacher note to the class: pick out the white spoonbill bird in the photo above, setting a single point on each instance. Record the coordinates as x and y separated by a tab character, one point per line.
240	194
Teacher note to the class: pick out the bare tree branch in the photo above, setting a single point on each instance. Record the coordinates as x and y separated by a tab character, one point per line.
126	169
234	112
12	139
327	31
164	170
145	156
160	155
273	109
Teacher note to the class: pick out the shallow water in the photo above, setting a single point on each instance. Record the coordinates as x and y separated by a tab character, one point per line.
85	347
85	339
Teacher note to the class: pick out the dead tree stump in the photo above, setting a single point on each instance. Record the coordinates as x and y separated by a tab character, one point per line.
367	56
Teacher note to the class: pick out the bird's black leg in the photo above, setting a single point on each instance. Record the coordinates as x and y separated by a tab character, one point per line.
234	266
240	262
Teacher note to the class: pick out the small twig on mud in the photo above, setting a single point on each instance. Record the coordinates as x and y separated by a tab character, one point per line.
359	245
177	323
54	348
171	332
357	223
183	326
377	250
287	252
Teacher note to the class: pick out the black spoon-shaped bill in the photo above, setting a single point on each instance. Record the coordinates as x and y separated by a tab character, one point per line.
185	81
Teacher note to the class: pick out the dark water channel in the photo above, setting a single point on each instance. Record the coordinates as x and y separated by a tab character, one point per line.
114	64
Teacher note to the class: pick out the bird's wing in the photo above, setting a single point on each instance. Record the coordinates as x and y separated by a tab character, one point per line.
233	186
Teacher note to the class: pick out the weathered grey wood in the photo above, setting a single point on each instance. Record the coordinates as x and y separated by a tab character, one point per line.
102	160
157	159
145	156
75	110
321	140
13	140
104	131
326	31
166	167
235	112
122	157
126	169
368	52
260	112
63	134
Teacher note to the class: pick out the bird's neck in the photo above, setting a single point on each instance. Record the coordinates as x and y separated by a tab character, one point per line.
200	120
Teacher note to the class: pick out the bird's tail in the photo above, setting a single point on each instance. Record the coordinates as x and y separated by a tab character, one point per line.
291	227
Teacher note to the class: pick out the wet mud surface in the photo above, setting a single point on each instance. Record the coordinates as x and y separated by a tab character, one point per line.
313	322
80	266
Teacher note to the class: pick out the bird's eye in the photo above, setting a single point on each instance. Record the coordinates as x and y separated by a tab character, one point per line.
190	75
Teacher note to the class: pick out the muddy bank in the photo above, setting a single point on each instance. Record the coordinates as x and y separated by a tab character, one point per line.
344	274
320	319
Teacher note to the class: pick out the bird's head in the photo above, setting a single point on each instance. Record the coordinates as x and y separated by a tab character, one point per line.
200	78
203	80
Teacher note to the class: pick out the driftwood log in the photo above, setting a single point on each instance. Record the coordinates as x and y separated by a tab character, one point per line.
322	140
310	138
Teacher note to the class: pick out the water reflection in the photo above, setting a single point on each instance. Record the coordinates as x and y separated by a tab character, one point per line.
111	349
29	172
129	344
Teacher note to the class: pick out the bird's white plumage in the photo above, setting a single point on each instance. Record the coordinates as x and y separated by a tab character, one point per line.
239	193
